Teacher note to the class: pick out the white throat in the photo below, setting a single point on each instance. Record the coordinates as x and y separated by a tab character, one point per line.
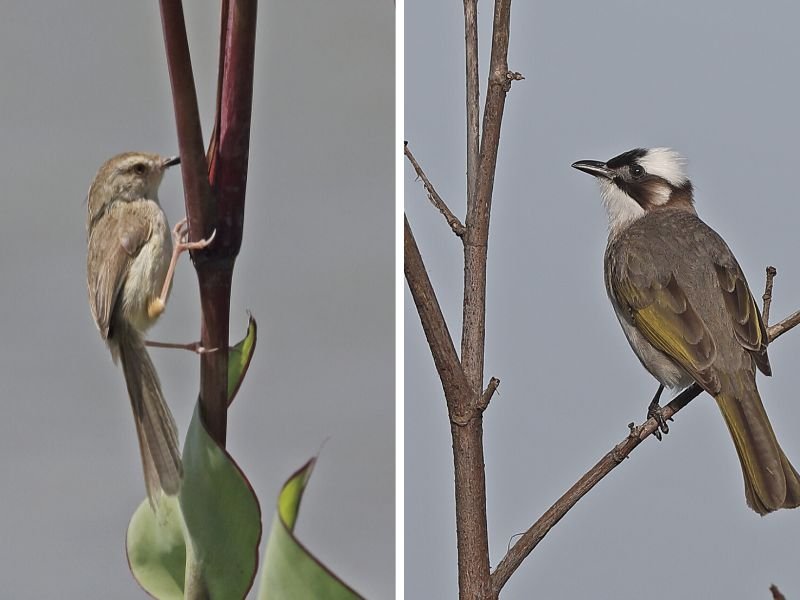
621	208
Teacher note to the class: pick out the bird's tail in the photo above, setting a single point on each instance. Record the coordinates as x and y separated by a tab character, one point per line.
155	427
770	480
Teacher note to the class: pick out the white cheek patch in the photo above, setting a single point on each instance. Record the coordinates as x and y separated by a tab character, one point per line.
661	194
665	163
621	208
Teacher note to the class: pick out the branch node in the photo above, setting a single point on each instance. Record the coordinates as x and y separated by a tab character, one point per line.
460	420
485	398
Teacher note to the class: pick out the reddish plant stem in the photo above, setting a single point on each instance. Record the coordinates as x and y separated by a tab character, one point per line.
230	145
214	187
200	205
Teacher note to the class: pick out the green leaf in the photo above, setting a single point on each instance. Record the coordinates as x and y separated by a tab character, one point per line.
222	518
289	570
239	357
156	550
216	511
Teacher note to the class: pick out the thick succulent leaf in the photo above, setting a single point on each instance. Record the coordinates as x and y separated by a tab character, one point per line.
216	511
156	549
223	552
289	570
222	517
239	357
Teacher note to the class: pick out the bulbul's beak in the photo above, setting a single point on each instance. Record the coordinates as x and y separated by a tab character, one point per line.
594	167
170	162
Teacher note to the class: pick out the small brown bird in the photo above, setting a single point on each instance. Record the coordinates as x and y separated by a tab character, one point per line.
129	273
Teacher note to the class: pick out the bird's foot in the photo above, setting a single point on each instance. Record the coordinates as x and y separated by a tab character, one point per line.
195	347
655	411
180	235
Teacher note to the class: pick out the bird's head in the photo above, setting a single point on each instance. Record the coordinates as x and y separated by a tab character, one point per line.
127	177
639	181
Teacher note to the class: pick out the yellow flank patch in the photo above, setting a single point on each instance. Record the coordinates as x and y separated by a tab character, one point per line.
666	338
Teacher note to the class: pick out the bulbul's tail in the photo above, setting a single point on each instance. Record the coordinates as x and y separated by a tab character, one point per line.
770	480
155	427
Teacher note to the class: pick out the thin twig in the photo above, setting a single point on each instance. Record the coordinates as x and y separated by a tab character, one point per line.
776	593
531	538
771	272
473	97
456	225
486	397
779	329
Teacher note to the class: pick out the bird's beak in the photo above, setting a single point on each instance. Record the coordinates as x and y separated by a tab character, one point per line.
170	162
594	167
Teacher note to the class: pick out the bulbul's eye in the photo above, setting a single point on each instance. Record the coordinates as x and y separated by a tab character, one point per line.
637	171
139	168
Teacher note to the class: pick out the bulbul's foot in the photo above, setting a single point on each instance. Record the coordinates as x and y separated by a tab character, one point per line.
654	411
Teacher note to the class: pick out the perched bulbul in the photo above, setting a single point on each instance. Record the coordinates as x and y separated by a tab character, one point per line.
686	309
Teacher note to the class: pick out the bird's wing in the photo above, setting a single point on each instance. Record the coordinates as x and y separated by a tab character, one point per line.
748	326
661	312
115	239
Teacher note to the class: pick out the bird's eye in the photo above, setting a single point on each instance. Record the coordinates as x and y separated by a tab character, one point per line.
140	168
637	171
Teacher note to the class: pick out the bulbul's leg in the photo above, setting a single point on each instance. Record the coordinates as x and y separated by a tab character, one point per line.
654	412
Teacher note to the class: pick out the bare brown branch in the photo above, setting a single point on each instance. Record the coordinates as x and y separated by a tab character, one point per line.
433	323
473	97
470	478
486	397
456	225
776	593
782	327
771	272
477	237
531	538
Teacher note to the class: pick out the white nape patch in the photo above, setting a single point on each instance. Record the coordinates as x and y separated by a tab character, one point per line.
621	208
665	163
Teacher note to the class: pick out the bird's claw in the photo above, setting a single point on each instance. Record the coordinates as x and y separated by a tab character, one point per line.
180	235
655	411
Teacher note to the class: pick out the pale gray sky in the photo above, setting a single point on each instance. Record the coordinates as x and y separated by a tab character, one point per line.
82	81
715	80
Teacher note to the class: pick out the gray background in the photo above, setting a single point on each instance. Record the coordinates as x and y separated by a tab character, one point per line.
715	80
83	81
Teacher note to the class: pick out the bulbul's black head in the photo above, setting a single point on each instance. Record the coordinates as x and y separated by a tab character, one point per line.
640	180
653	177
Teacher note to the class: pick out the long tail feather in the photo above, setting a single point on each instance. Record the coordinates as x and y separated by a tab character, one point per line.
155	426
770	481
